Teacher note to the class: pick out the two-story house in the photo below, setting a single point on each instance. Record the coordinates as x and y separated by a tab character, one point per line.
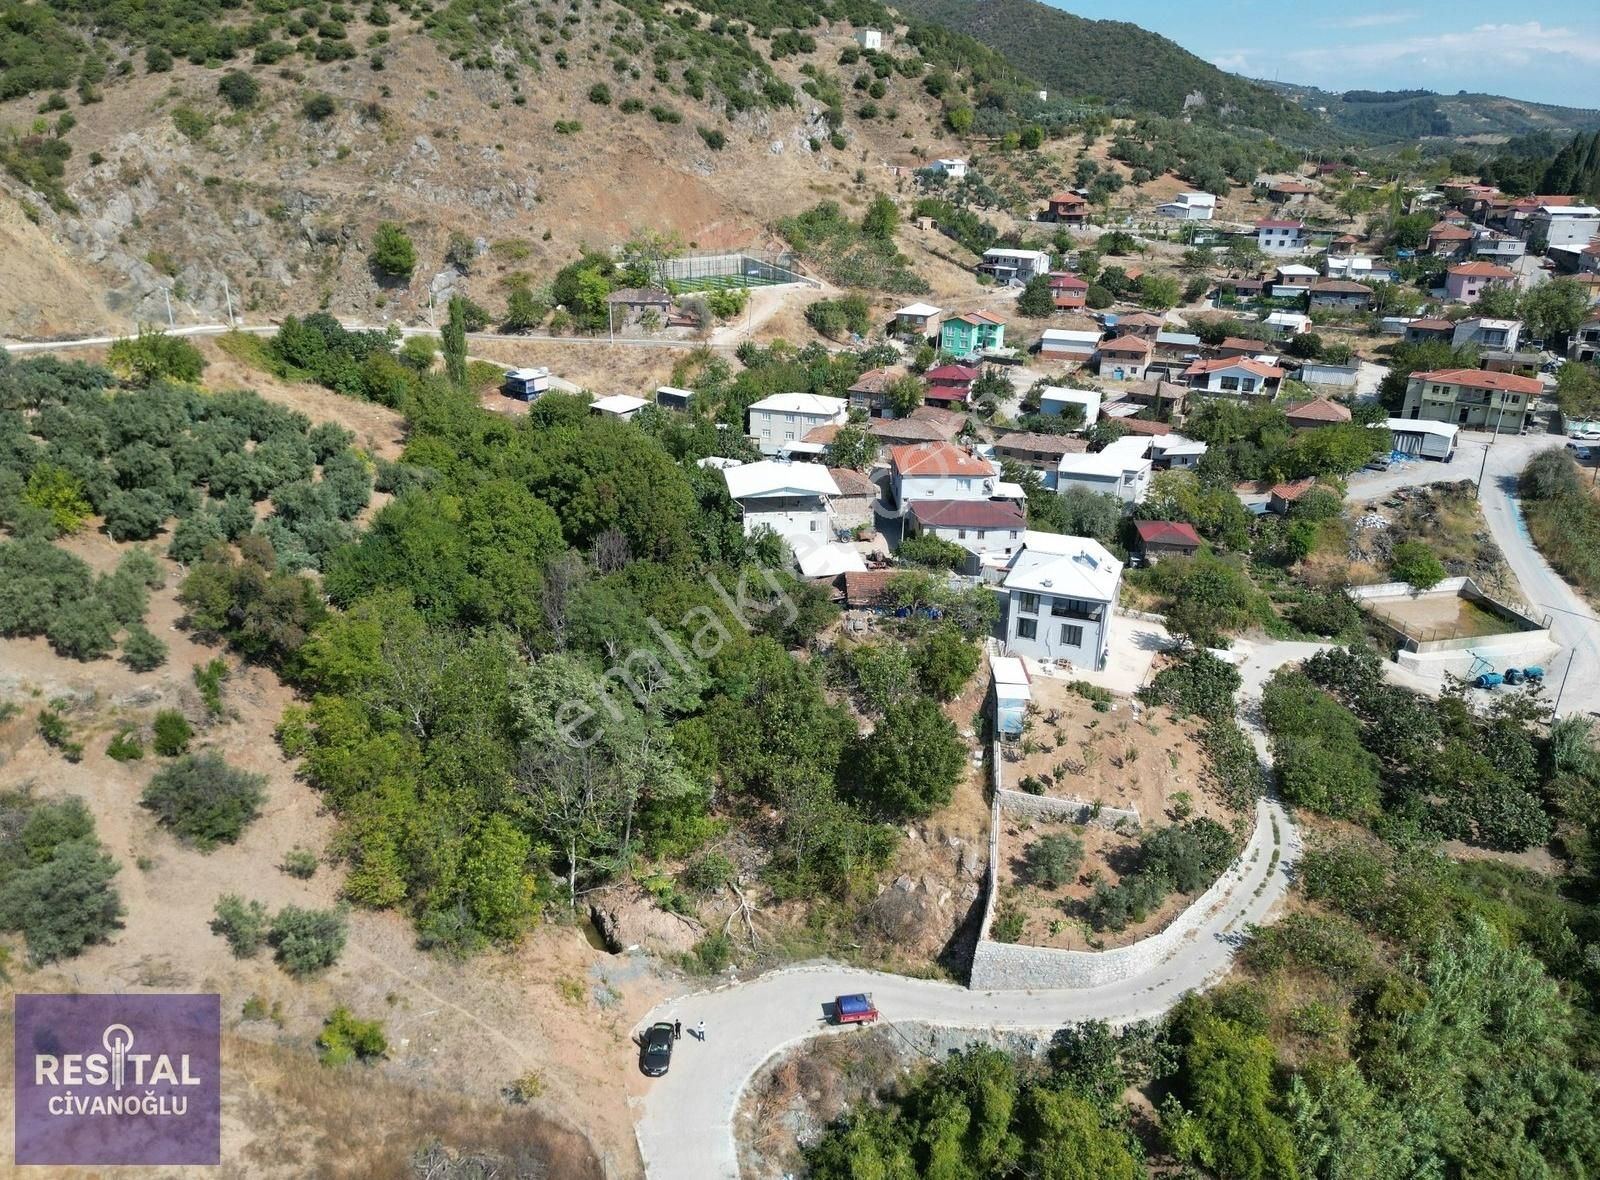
1234	376
1339	295
940	471
1125	358
1069	291
1491	245
1122	470
871	390
1563	225
917	321
1473	398
1066	208
1292	279
1042	452
949	386
1465	283
1009	265
1447	239
791	499
1054	400
1190	207
1059	594
1585	343
984	528
971	333
1281	237
789	417
1497	335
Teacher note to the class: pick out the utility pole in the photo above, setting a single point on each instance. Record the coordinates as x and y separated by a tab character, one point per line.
611	333
166	293
1555	709
1482	467
228	295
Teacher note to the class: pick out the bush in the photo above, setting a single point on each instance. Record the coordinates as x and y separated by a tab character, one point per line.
709	871
392	251
714	139
1414	562
239	90
600	94
345	1039
300	863
305	942
205	801
318	107
125	746
55	731
1053	860
172	733
55	877
153	355
208	678
141	650
242	923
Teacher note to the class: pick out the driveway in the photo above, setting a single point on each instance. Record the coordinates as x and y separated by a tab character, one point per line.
684	1121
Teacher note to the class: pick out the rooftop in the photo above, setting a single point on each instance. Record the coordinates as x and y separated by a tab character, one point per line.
1128	344
1487	270
1483	379
969	514
1321	409
1293	489
1256	368
1269	224
920	311
1051	444
975	317
771	478
951	373
1166	532
802	403
1069	567
1339	287
938	458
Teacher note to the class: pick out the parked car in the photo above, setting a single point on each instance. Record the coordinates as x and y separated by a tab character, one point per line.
1381	463
1582	452
655	1049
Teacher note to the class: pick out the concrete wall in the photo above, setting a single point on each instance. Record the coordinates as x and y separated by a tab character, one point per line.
1072	811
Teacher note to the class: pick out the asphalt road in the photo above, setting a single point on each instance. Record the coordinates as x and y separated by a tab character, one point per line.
684	1121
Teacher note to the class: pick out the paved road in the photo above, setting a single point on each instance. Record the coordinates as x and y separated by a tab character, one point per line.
684	1121
1574	624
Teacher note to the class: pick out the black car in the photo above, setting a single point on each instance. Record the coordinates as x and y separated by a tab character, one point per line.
655	1049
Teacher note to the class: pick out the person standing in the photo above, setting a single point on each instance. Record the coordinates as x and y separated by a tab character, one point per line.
677	1029
702	1032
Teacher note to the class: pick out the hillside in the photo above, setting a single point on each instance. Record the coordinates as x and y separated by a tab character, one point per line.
1396	116
1112	60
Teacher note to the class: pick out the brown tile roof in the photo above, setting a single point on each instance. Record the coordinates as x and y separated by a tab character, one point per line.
1133	344
1294	488
1067	199
937	458
1483	379
1321	409
1290	186
1141	319
852	483
977	317
1240	342
1339	287
1167	532
908	430
823	434
1260	369
1487	270
1050	444
1270	224
1143	426
1446	229
876	380
1432	325
970	514
866	587
950	420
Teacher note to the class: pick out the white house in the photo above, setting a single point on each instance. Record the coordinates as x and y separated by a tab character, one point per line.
1175	452
1121	470
1564	225
1498	335
954	169
1288	323
526	384
940	471
1190	207
1067	344
1281	237
917	319
1234	375
870	39
1362	268
1059	594
1055	398
789	417
792	499
1018	265
987	529
618	405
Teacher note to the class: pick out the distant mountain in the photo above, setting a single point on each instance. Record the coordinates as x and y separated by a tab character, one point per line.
1113	60
1393	115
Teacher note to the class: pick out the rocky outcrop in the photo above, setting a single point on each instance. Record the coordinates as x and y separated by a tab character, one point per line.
627	917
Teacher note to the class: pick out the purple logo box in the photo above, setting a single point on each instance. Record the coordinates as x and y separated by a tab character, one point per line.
130	1079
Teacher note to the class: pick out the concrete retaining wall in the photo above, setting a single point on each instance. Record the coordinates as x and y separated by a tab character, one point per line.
1071	811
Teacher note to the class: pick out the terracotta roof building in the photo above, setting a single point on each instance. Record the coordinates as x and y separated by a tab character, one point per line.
1322	411
1156	539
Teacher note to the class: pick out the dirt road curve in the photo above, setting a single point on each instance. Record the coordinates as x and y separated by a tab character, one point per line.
684	1121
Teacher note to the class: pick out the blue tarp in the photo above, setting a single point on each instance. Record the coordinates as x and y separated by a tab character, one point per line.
854	1005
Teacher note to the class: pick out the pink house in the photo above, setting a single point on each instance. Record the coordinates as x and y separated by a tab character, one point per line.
1465	283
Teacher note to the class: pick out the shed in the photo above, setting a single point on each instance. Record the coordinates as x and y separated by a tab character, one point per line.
618	405
673	398
526	384
1012	696
1423	438
1156	539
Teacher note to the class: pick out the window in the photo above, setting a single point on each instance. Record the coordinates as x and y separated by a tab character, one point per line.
1028	604
964	484
961	534
1071	635
1027	628
1230	383
813	526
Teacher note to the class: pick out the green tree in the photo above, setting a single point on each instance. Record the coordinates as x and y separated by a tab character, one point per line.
1037	299
1555	309
1053	860
1160	291
239	90
59	894
1416	563
454	341
959	119
1226	1121
153	355
496	881
305	942
852	447
54	490
524	313
945	661
141	650
910	763
881	219
393	254
1067	1139
172	733
344	1039
205	801
904	394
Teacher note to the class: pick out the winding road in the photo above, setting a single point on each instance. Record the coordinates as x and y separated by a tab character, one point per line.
684	1121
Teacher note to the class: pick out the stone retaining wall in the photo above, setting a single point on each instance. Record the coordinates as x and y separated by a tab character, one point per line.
1072	811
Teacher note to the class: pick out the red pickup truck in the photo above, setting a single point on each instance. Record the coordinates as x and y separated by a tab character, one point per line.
856	1009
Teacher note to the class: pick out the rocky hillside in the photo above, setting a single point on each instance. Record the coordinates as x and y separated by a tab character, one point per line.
573	128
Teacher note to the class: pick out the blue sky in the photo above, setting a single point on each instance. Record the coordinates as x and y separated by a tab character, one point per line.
1547	52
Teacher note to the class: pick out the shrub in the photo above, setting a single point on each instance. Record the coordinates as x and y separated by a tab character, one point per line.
239	90
53	728
172	733
125	746
59	494
300	863
82	630
345	1039
1414	562
208	678
392	251
1053	860
708	871
318	107
600	94
307	941
204	800
55	877
242	923
714	139
141	650
153	355
713	952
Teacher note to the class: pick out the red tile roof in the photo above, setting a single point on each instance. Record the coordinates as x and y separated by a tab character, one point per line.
937	458
1241	342
852	483
1132	344
1339	287
1265	371
1483	379
1446	229
1067	199
951	374
1486	270
1167	532
1060	281
1143	426
1280	224
867	587
1322	409
1429	325
969	514
1294	488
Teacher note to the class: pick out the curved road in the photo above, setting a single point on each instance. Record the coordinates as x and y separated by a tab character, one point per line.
684	1121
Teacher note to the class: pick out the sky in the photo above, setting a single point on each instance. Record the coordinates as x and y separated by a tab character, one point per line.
1546	52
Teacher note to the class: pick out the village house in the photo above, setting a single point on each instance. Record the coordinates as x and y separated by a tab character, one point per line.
855	504
1473	398
1339	295
923	425
871	391
1281	237
789	417
1447	239
1585	343
1155	539
868	589
1499	335
1321	411
1149	427
1240	376
1059	593
1563	225
1290	192
1466	282
1427	328
1325	373
940	471
984	528
1247	290
1344	244
1286	323
870	39
1042	452
526	384
1067	344
1493	246
1293	280
919	321
971	333
1069	291
1175	452
950	169
1241	346
1362	268
1125	358
618	405
791	499
949	386
1179	346
1054	400
1066	208
1122	470
1140	323
1283	496
1014	266
635	304
1190	207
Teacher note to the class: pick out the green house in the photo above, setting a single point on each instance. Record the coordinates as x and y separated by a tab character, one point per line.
971	333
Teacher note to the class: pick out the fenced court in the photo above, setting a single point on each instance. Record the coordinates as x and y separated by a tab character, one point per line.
721	270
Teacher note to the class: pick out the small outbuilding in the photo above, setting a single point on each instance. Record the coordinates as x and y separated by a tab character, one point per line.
1155	539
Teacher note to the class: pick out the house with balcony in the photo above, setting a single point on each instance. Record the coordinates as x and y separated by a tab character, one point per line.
1293	280
1491	245
971	334
1125	358
949	386
1467	282
1490	334
1069	291
1360	268
1066	208
1448	239
871	391
1339	295
1122	470
1234	377
1014	266
1282	237
1059	593
791	499
1474	399
789	417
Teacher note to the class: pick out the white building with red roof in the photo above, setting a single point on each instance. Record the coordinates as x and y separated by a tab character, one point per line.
1234	376
940	471
1473	399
